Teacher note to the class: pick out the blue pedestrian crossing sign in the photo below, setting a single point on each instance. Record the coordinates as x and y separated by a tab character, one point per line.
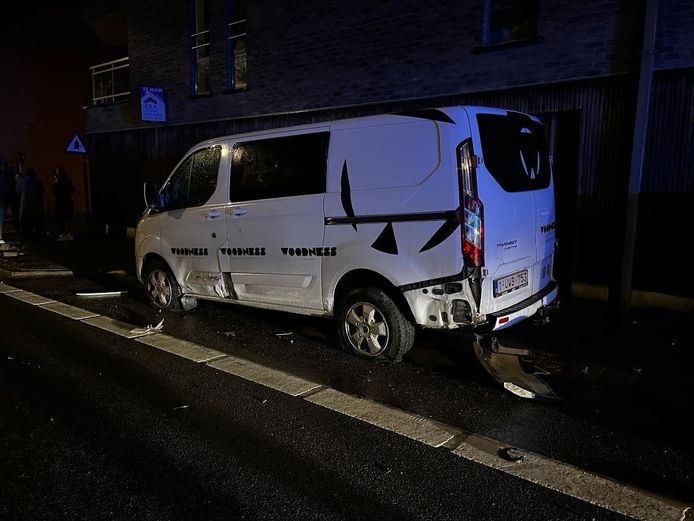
76	146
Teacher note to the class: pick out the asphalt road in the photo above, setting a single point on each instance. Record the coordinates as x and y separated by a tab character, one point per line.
96	426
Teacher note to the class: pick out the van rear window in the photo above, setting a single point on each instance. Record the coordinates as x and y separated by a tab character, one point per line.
514	151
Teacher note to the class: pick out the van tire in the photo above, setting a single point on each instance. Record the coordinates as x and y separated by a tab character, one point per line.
370	324
162	288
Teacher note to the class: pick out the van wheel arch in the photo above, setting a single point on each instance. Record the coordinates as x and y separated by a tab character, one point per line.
152	257
381	321
363	278
179	302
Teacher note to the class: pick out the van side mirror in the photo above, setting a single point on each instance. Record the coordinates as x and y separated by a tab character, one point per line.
153	199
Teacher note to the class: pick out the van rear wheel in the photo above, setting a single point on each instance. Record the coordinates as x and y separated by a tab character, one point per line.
371	325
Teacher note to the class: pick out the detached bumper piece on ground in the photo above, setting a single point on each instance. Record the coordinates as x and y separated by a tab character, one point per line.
513	367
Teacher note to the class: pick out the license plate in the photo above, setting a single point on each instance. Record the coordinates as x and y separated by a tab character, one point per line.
510	283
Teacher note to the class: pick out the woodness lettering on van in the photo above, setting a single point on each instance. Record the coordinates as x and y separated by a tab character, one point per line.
240	252
309	252
189	252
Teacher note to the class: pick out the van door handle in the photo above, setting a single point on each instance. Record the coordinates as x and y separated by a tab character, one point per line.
544	213
238	212
214	214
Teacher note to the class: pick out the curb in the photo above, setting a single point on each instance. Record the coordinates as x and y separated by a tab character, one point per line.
26	274
8	271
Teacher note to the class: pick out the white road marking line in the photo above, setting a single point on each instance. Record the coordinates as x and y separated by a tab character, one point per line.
572	481
5	288
29	298
114	326
68	311
183	348
269	377
395	420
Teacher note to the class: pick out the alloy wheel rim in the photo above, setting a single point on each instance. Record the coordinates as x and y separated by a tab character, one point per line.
159	288
366	329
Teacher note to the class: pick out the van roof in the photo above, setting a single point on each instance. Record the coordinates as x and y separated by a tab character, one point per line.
441	114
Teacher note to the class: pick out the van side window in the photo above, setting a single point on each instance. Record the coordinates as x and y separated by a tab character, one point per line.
279	167
194	181
203	175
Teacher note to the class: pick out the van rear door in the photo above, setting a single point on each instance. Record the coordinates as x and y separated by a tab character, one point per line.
514	186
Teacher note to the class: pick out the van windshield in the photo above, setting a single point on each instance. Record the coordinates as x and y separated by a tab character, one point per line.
514	151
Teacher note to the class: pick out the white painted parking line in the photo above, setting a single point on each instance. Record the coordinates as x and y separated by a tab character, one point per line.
401	422
572	481
115	326
273	378
4	288
29	298
183	348
69	311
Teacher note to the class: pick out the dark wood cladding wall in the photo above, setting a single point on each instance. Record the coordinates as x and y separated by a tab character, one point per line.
669	162
122	161
665	210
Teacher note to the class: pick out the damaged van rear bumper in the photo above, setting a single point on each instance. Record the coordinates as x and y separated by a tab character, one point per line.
524	309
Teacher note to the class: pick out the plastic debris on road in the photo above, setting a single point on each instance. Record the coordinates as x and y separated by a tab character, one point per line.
100	293
513	367
511	454
149	329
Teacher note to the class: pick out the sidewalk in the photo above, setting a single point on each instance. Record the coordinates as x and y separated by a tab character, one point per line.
83	256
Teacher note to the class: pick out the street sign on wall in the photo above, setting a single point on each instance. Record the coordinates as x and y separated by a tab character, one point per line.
153	103
75	146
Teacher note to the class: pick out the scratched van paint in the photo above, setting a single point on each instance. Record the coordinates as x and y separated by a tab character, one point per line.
439	218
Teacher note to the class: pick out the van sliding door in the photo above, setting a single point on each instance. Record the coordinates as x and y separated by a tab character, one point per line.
275	221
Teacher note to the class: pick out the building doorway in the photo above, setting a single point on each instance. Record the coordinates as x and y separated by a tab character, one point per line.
563	137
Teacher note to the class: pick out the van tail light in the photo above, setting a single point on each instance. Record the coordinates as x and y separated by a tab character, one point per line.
471	207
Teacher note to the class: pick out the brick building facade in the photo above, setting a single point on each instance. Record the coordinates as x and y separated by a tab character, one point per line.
45	52
573	63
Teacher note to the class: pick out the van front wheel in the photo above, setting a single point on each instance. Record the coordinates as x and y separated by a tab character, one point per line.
371	325
163	289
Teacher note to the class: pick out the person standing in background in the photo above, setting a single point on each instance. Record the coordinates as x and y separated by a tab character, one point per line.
30	206
64	209
11	195
2	200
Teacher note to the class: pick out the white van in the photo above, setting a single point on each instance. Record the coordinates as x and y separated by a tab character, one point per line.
442	218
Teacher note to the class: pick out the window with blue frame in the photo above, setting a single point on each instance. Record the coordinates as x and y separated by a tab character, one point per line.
236	45
510	21
199	48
